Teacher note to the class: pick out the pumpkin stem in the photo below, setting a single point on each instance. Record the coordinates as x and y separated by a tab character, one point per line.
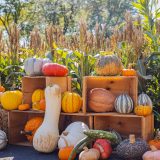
85	149
130	66
153	148
132	138
65	133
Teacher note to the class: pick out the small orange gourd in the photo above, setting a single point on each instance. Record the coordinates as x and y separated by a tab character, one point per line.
23	107
31	126
2	89
129	71
42	104
143	110
65	152
156	141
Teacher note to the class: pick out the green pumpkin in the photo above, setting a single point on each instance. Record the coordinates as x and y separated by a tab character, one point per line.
108	65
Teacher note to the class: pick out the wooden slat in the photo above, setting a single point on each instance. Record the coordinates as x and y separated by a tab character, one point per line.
61	81
30	84
116	84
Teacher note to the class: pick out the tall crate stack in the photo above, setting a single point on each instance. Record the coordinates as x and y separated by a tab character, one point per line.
125	124
17	119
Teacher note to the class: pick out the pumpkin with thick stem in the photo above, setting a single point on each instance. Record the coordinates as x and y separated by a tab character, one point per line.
129	72
31	126
64	153
132	148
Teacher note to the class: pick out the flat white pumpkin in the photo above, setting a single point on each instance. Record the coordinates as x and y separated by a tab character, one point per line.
72	134
46	137
33	66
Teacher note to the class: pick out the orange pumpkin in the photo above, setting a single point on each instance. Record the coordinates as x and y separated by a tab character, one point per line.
156	141
31	126
23	107
65	152
42	104
129	72
2	89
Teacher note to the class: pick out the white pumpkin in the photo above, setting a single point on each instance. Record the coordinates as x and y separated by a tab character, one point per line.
144	100
46	137
3	140
72	134
33	66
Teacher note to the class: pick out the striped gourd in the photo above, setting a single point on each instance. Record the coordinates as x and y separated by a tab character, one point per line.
144	99
124	104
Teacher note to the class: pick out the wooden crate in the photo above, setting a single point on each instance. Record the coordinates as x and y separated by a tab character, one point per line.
116	84
17	120
126	124
30	84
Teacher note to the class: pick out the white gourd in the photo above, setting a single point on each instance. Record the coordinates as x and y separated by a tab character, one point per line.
72	134
46	137
33	66
3	140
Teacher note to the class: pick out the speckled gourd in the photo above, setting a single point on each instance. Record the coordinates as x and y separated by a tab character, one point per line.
132	148
46	137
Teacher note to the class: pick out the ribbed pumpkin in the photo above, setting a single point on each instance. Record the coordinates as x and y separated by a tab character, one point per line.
129	72
144	99
101	100
31	126
65	152
10	100
37	96
123	104
143	110
108	65
71	102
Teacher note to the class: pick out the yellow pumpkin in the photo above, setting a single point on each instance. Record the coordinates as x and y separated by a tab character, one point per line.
37	96
0	96
71	102
143	110
10	100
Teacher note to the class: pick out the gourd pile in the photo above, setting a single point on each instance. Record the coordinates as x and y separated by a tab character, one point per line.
77	137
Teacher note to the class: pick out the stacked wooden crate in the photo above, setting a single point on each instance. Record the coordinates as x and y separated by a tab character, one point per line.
125	124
